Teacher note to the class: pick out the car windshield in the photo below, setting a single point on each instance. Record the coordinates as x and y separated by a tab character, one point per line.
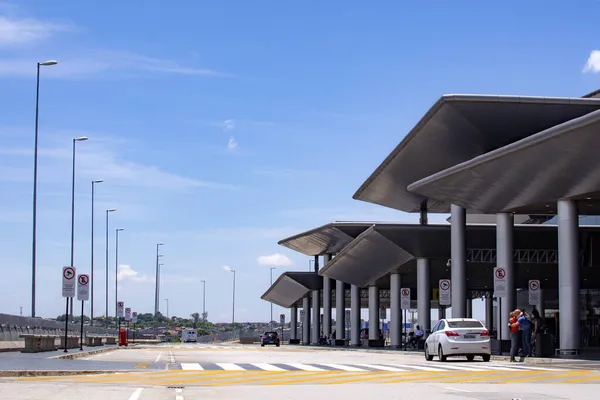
464	324
271	334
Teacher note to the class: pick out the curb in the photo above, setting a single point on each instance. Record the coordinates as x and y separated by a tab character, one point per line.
31	373
84	353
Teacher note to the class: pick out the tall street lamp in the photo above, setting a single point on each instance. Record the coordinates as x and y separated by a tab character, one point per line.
92	260
75	140
271	271
233	303
117	268
106	245
167	300
35	168
203	300
156	289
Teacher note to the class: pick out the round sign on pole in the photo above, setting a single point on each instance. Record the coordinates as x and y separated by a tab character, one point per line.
69	273
534	285
83	280
405	292
500	273
444	284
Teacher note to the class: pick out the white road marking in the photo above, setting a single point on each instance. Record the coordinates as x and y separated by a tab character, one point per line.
458	390
305	367
171	356
343	367
268	367
158	358
136	394
381	367
420	367
230	367
191	367
178	390
535	368
179	397
458	367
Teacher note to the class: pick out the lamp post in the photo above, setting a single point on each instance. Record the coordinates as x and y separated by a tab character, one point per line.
117	268
107	212
271	271
203	300
75	140
156	289
233	303
167	300
35	168
92	256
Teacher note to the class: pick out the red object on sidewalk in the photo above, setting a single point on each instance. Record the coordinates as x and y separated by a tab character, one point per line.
122	337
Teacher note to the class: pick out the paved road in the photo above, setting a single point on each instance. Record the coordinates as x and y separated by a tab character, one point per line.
229	371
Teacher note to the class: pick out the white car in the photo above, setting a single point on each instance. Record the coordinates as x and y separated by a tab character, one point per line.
458	337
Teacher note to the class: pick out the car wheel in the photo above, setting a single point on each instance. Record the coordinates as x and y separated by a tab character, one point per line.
470	357
428	357
277	345
262	345
441	355
486	357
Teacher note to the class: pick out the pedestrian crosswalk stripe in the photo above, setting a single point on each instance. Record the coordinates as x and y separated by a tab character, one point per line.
306	367
381	367
230	367
268	367
534	368
418	367
191	366
342	367
458	367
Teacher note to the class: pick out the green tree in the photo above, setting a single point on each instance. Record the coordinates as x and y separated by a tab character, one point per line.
196	317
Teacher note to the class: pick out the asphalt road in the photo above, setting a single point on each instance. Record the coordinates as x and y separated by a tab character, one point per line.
233	371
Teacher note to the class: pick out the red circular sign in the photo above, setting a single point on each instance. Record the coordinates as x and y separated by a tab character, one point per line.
444	284
83	280
405	292
534	285
69	273
500	273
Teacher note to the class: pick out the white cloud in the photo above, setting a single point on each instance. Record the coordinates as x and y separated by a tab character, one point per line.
27	30
275	260
227	268
228	125
127	273
114	64
593	62
232	144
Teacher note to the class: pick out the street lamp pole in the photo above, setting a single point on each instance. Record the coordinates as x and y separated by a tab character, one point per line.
203	300
35	168
106	245
167	300
117	268
271	320
92	257
156	288
75	140
233	308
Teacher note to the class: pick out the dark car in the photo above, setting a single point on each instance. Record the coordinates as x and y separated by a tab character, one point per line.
270	338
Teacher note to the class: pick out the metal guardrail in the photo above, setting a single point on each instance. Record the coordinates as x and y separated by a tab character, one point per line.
13	326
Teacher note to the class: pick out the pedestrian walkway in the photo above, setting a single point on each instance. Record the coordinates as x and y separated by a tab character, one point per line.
433	367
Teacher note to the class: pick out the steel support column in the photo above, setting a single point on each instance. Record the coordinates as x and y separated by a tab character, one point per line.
327	283
396	311
306	320
505	259
373	312
540	306
458	238
293	323
568	275
441	312
423	294
469	308
316	316
340	310
355	315
489	313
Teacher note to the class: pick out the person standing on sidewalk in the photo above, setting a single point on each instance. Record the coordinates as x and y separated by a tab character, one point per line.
515	335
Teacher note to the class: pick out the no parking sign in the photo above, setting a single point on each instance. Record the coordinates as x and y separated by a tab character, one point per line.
534	292
405	298
445	292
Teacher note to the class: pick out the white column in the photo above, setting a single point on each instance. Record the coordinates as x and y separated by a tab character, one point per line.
306	320
373	312
355	315
340	310
568	275
396	311
293	322
316	316
326	306
423	294
458	237
505	259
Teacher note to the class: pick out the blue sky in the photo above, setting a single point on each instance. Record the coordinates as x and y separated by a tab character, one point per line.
221	127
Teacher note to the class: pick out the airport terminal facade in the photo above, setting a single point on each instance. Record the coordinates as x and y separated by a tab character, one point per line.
520	178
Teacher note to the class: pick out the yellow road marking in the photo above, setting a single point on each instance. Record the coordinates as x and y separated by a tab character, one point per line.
142	365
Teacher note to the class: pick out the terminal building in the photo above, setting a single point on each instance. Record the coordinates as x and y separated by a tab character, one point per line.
520	178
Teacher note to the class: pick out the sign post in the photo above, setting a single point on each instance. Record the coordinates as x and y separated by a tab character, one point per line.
134	316
405	298
68	291
120	308
83	295
127	319
534	292
445	287
500	281
282	322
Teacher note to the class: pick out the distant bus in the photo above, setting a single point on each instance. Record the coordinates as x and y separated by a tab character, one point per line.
189	335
